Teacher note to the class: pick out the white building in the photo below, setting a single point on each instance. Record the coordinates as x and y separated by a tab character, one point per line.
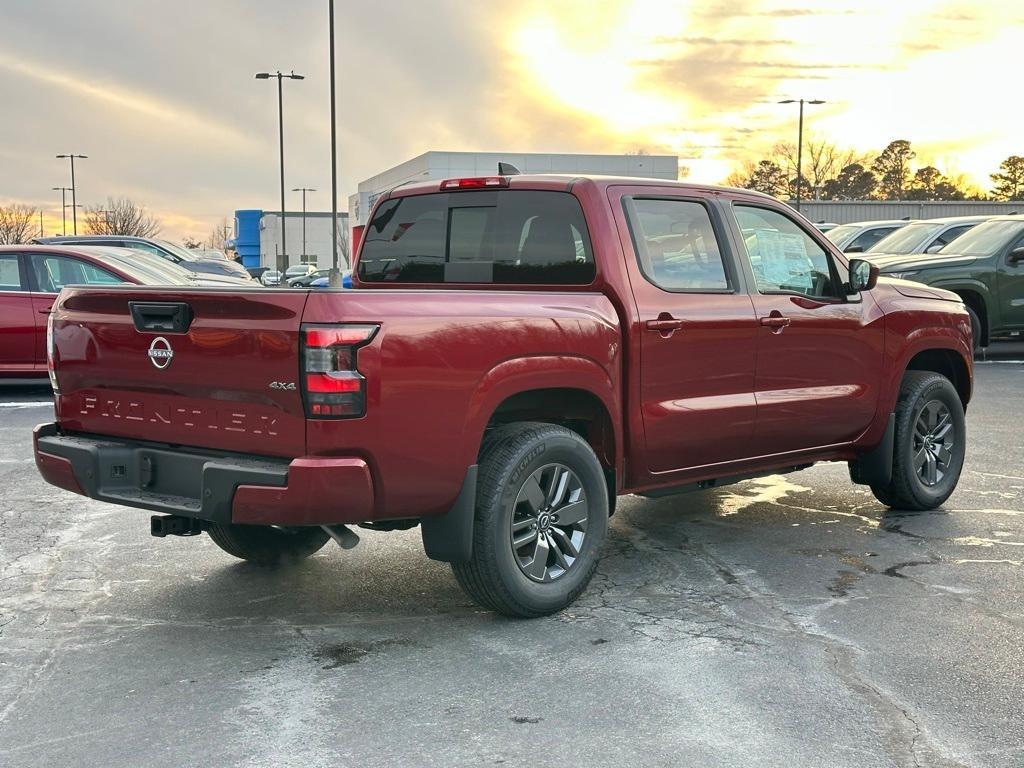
444	165
317	248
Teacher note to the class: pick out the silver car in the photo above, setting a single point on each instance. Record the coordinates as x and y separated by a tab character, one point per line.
861	235
925	236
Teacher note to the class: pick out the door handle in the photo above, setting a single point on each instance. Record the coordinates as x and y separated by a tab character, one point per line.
775	321
665	324
45	311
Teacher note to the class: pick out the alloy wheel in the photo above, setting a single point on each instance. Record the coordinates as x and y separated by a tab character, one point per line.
933	442
549	523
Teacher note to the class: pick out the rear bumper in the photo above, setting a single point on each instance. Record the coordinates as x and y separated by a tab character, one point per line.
207	485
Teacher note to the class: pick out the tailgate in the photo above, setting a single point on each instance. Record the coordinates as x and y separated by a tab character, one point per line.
206	367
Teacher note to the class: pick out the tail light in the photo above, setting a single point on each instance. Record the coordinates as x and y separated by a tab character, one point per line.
479	182
51	354
332	386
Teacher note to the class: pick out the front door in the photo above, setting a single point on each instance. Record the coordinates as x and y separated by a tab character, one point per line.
1010	288
696	330
819	351
17	324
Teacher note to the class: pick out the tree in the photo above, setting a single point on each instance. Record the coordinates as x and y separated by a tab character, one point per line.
344	260
892	167
191	243
854	182
1009	182
121	216
219	235
17	223
822	161
768	177
930	184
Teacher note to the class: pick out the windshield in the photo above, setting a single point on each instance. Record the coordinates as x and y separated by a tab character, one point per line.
149	270
985	239
908	239
840	235
298	269
177	250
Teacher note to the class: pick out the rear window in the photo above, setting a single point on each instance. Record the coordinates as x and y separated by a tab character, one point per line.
506	236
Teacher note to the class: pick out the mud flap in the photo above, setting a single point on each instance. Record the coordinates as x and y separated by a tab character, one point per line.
875	466
449	537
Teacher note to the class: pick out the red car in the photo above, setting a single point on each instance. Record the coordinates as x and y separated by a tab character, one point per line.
31	276
515	352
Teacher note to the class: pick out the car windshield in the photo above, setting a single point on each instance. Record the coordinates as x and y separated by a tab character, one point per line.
177	250
840	235
906	239
985	239
297	269
145	271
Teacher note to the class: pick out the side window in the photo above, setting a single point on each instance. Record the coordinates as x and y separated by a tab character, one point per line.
10	277
675	245
54	272
866	239
784	258
147	248
951	234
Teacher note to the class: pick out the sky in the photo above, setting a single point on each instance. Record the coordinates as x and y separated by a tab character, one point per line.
161	96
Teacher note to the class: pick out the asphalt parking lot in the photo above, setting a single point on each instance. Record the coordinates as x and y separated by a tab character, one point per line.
786	621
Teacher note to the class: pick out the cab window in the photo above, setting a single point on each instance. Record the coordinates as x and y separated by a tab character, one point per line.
10	276
784	258
54	272
676	245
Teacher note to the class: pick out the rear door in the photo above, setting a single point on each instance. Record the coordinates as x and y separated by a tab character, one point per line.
819	351
17	323
212	368
1010	282
697	332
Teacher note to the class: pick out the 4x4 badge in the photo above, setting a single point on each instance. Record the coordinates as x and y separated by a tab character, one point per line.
160	352
287	385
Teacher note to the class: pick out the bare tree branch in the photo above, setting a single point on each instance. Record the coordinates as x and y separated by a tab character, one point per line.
120	216
17	223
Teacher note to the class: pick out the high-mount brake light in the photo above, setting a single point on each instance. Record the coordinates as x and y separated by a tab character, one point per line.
479	182
333	387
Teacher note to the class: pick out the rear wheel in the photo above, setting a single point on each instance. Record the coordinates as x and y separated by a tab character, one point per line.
541	519
267	545
930	444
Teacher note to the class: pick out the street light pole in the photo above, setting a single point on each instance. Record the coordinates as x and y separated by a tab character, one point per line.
303	190
63	207
74	206
800	142
282	260
334	280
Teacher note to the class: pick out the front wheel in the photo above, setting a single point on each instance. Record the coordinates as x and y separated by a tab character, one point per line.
930	444
540	522
267	545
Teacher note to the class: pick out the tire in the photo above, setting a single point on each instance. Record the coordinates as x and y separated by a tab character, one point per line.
914	486
496	575
266	545
975	329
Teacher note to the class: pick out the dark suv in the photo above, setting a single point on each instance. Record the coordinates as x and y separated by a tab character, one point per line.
162	248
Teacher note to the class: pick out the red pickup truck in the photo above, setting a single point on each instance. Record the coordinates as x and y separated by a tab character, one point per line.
518	351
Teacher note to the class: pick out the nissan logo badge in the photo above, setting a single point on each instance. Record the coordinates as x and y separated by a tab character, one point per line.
160	352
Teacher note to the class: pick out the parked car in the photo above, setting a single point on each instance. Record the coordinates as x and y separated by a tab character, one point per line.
324	282
984	267
167	250
514	354
257	272
271	277
298	270
825	226
211	253
31	276
925	236
861	235
306	279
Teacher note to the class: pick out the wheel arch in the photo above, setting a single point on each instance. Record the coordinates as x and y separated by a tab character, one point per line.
946	362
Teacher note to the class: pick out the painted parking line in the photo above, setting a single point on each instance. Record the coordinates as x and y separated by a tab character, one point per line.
26	405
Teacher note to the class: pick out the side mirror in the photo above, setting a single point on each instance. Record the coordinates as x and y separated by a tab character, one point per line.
863	275
934	248
1017	254
854	249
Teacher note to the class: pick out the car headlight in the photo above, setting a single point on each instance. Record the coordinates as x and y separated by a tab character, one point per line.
902	275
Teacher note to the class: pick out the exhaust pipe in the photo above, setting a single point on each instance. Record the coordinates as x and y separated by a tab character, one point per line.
345	536
174	525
